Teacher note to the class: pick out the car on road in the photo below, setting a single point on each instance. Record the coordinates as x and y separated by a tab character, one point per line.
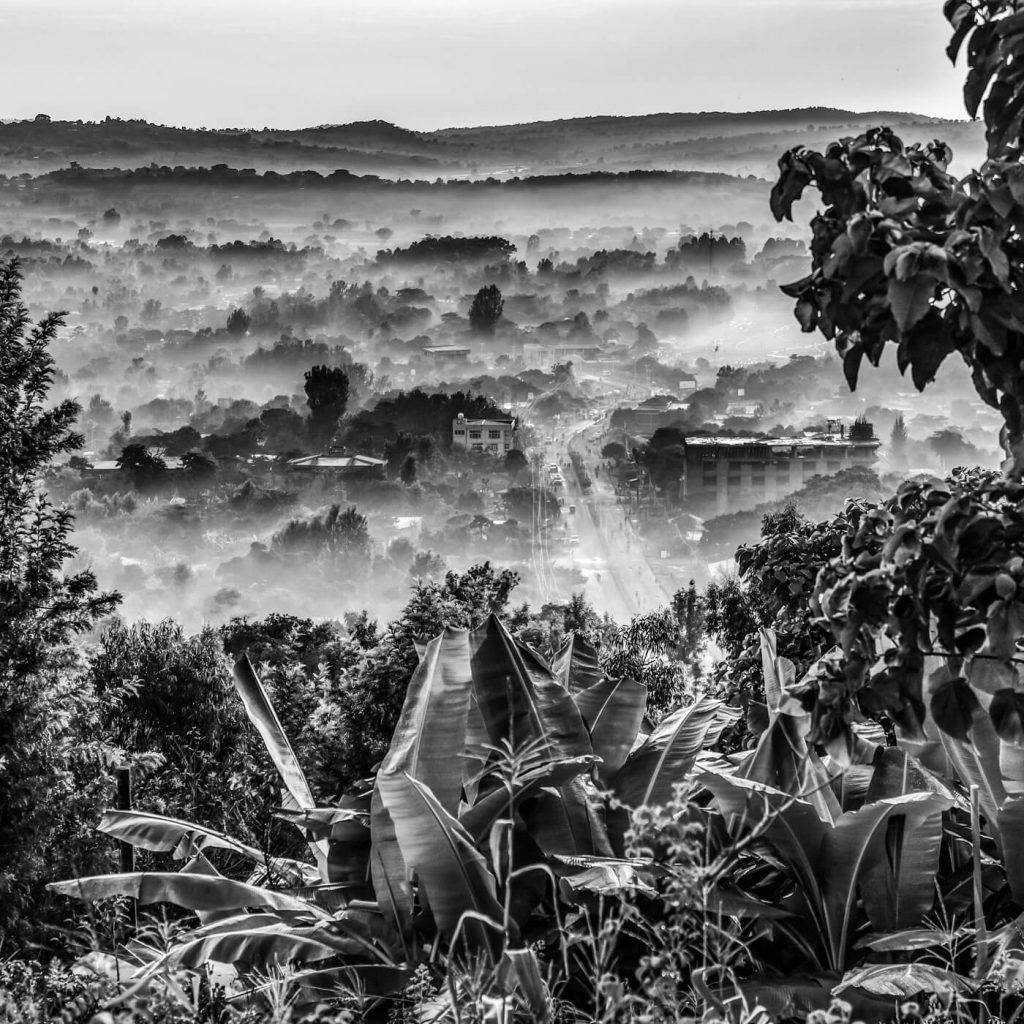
572	510
574	540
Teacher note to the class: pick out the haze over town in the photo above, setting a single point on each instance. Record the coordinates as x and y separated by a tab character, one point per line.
571	442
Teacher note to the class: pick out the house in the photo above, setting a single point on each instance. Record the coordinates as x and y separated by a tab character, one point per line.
172	464
446	353
729	474
338	464
496	436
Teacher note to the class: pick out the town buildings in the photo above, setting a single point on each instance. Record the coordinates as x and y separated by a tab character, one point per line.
730	474
496	436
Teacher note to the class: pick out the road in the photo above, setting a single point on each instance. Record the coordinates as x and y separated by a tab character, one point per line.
609	554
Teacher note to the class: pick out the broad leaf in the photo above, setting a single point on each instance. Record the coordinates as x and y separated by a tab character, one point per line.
569	821
1010	824
576	664
668	755
388	869
899	889
261	713
519	973
478	819
431	733
903	981
183	838
519	698
612	711
191	891
451	871
261	947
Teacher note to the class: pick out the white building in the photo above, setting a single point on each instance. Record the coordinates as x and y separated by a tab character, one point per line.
494	436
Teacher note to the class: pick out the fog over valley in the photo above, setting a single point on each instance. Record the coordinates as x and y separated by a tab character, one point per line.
633	293
478	547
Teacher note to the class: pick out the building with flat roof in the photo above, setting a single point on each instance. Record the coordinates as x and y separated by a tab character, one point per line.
496	436
730	474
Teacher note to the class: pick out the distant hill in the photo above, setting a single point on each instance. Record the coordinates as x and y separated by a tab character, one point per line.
741	143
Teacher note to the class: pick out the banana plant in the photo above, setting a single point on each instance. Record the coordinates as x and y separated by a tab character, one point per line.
495	789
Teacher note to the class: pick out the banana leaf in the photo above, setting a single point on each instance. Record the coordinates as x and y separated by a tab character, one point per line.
519	974
1010	824
316	985
388	870
783	760
161	834
452	873
903	981
899	889
478	819
261	713
569	821
576	664
260	947
520	700
192	891
668	755
612	711
431	733
827	861
608	876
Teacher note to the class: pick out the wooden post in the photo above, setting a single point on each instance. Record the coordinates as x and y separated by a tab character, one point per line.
124	803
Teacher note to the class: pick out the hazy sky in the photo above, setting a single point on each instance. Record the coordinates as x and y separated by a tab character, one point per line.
438	63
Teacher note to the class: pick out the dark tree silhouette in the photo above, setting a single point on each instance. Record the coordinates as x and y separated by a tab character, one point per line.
485	312
142	468
238	322
327	397
41	609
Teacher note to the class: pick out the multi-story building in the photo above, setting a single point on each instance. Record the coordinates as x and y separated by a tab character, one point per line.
494	436
730	474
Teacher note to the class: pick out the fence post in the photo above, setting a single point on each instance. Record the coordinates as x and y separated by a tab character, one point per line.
126	852
124	803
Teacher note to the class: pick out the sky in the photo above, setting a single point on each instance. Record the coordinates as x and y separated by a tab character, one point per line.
427	64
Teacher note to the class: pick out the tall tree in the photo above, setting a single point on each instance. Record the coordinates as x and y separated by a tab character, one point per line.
485	312
327	391
42	608
898	438
909	254
238	322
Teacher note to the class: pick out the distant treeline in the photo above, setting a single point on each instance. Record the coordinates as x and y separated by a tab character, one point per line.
248	177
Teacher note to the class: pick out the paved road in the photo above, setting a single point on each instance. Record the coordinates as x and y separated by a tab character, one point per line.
609	554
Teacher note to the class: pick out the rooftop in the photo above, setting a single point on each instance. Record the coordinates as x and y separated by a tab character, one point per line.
336	462
801	441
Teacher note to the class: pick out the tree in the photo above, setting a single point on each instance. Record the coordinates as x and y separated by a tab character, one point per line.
909	254
238	322
408	471
516	463
198	466
327	389
485	312
898	438
140	466
614	450
48	743
950	446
